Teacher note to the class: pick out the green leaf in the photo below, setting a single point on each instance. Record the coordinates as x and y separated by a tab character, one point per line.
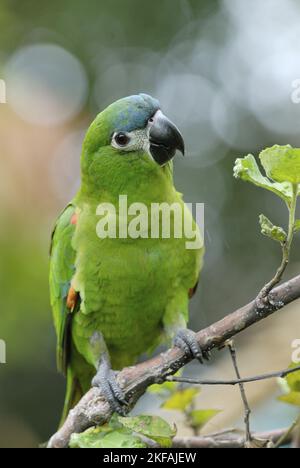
97	438
282	163
268	229
292	382
297	225
181	399
153	427
293	379
164	388
248	170
114	423
293	398
201	417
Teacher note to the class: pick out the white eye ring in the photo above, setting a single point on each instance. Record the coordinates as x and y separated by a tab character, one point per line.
121	139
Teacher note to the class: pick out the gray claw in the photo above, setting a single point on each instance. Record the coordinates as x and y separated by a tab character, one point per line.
105	380
186	340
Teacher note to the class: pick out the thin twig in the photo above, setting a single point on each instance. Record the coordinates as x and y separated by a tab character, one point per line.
229	430
296	438
189	419
256	378
94	409
262	298
287	435
247	409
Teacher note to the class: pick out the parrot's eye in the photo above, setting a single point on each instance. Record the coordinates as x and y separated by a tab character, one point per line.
122	139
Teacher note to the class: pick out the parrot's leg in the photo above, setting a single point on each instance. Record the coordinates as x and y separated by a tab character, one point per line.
105	380
185	339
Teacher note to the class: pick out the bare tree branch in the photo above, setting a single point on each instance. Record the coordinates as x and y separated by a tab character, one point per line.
93	409
232	440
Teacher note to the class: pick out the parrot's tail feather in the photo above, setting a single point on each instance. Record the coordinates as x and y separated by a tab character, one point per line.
74	393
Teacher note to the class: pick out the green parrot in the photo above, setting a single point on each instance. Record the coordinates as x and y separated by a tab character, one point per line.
117	298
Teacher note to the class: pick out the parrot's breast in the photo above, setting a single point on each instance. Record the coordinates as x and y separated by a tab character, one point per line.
126	286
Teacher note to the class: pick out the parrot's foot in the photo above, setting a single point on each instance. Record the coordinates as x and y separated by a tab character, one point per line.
105	380
186	340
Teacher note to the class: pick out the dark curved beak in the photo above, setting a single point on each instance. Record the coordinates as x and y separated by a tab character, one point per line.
165	139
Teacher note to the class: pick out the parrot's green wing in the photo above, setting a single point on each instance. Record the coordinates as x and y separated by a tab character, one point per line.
62	269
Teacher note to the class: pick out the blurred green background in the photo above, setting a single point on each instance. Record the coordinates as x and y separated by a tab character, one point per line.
223	71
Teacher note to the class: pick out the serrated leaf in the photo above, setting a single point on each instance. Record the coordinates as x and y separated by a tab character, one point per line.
273	232
282	163
181	399
153	427
96	438
201	417
247	169
293	398
297	225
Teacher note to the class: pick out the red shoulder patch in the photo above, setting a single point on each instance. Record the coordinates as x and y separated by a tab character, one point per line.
74	219
72	298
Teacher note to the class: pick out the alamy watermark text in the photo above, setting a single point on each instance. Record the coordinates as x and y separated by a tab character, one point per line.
157	221
2	352
296	352
2	92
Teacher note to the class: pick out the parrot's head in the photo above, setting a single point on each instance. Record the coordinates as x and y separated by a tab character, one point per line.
129	131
